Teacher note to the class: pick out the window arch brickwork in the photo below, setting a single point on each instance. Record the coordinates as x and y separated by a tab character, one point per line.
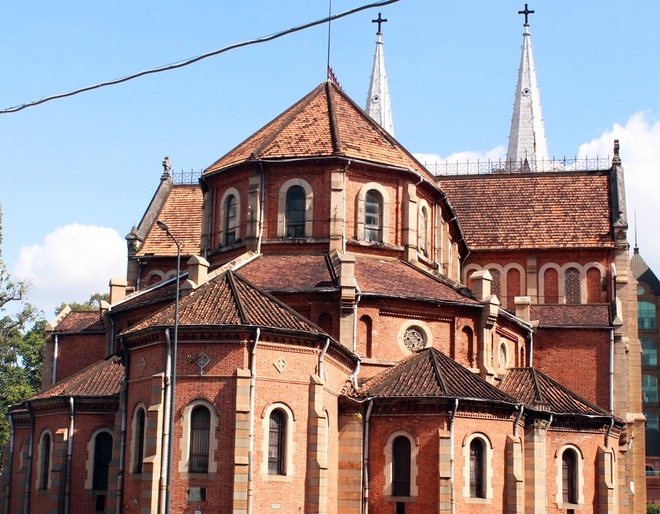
394	465
569	462
229	222
286	440
361	212
282	207
482	442
189	431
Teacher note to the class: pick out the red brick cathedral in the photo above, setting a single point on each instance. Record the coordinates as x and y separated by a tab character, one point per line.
352	334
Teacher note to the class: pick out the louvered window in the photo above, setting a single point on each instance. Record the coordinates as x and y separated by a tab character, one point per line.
200	426
569	476
477	469
295	212
276	438
102	458
401	466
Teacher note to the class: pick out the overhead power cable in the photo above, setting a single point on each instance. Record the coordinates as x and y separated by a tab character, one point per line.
193	60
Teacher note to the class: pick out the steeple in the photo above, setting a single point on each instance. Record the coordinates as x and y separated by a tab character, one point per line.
378	100
528	147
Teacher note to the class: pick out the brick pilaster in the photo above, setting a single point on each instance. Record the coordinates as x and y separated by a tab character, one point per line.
445	484
349	490
316	487
151	464
535	470
242	441
515	485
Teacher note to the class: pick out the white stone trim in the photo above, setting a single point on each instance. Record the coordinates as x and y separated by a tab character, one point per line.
425	252
223	213
91	449
184	442
388	470
134	441
309	207
154	273
426	330
561	270
488	468
40	460
580	477
289	443
360	211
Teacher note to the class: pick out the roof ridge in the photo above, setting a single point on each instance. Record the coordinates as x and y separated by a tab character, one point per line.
294	111
436	368
537	387
240	305
332	118
572	393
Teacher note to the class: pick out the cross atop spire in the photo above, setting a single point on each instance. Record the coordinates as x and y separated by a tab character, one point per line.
526	12
380	21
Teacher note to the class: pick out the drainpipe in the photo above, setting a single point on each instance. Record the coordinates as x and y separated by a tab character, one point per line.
261	209
451	455
165	444
10	465
365	462
609	431
122	452
521	408
253	385
69	453
112	335
611	371
531	348
358	295
322	357
56	350
28	481
355	375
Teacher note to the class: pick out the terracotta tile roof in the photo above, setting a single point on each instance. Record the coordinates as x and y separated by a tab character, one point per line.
643	273
182	212
431	374
540	392
229	300
290	273
397	278
533	210
161	292
80	321
324	123
586	315
103	378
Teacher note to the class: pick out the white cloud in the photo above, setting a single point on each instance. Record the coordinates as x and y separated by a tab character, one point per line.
70	264
640	156
496	154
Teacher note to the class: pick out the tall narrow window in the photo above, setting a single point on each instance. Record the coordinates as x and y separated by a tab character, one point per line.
373	222
649	352
295	212
569	476
477	469
551	285
200	426
230	220
102	458
140	422
572	286
496	284
423	232
45	461
401	466
646	316
276	437
649	388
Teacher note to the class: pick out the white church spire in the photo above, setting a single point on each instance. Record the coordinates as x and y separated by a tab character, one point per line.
528	147
378	101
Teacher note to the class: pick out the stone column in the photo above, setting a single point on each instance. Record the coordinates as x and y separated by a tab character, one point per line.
605	474
409	222
242	441
348	299
58	471
349	476
514	480
535	472
316	486
337	210
151	464
445	484
253	212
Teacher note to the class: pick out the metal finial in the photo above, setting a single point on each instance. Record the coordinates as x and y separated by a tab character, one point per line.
380	21
526	12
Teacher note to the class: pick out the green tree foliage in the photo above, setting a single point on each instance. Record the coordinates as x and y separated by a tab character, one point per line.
22	339
652	508
92	304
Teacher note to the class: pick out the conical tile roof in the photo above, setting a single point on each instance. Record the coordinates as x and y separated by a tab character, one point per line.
431	374
229	300
325	123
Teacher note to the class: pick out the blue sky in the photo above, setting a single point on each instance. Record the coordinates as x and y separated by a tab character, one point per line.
77	173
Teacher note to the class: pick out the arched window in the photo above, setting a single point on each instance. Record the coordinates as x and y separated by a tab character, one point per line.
44	460
649	352
295	212
102	459
401	466
551	286
572	286
200	426
569	476
276	443
646	316
139	440
365	336
513	288
373	221
423	232
595	286
477	469
230	220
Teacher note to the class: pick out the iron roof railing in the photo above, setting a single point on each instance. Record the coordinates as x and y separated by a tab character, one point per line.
489	166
